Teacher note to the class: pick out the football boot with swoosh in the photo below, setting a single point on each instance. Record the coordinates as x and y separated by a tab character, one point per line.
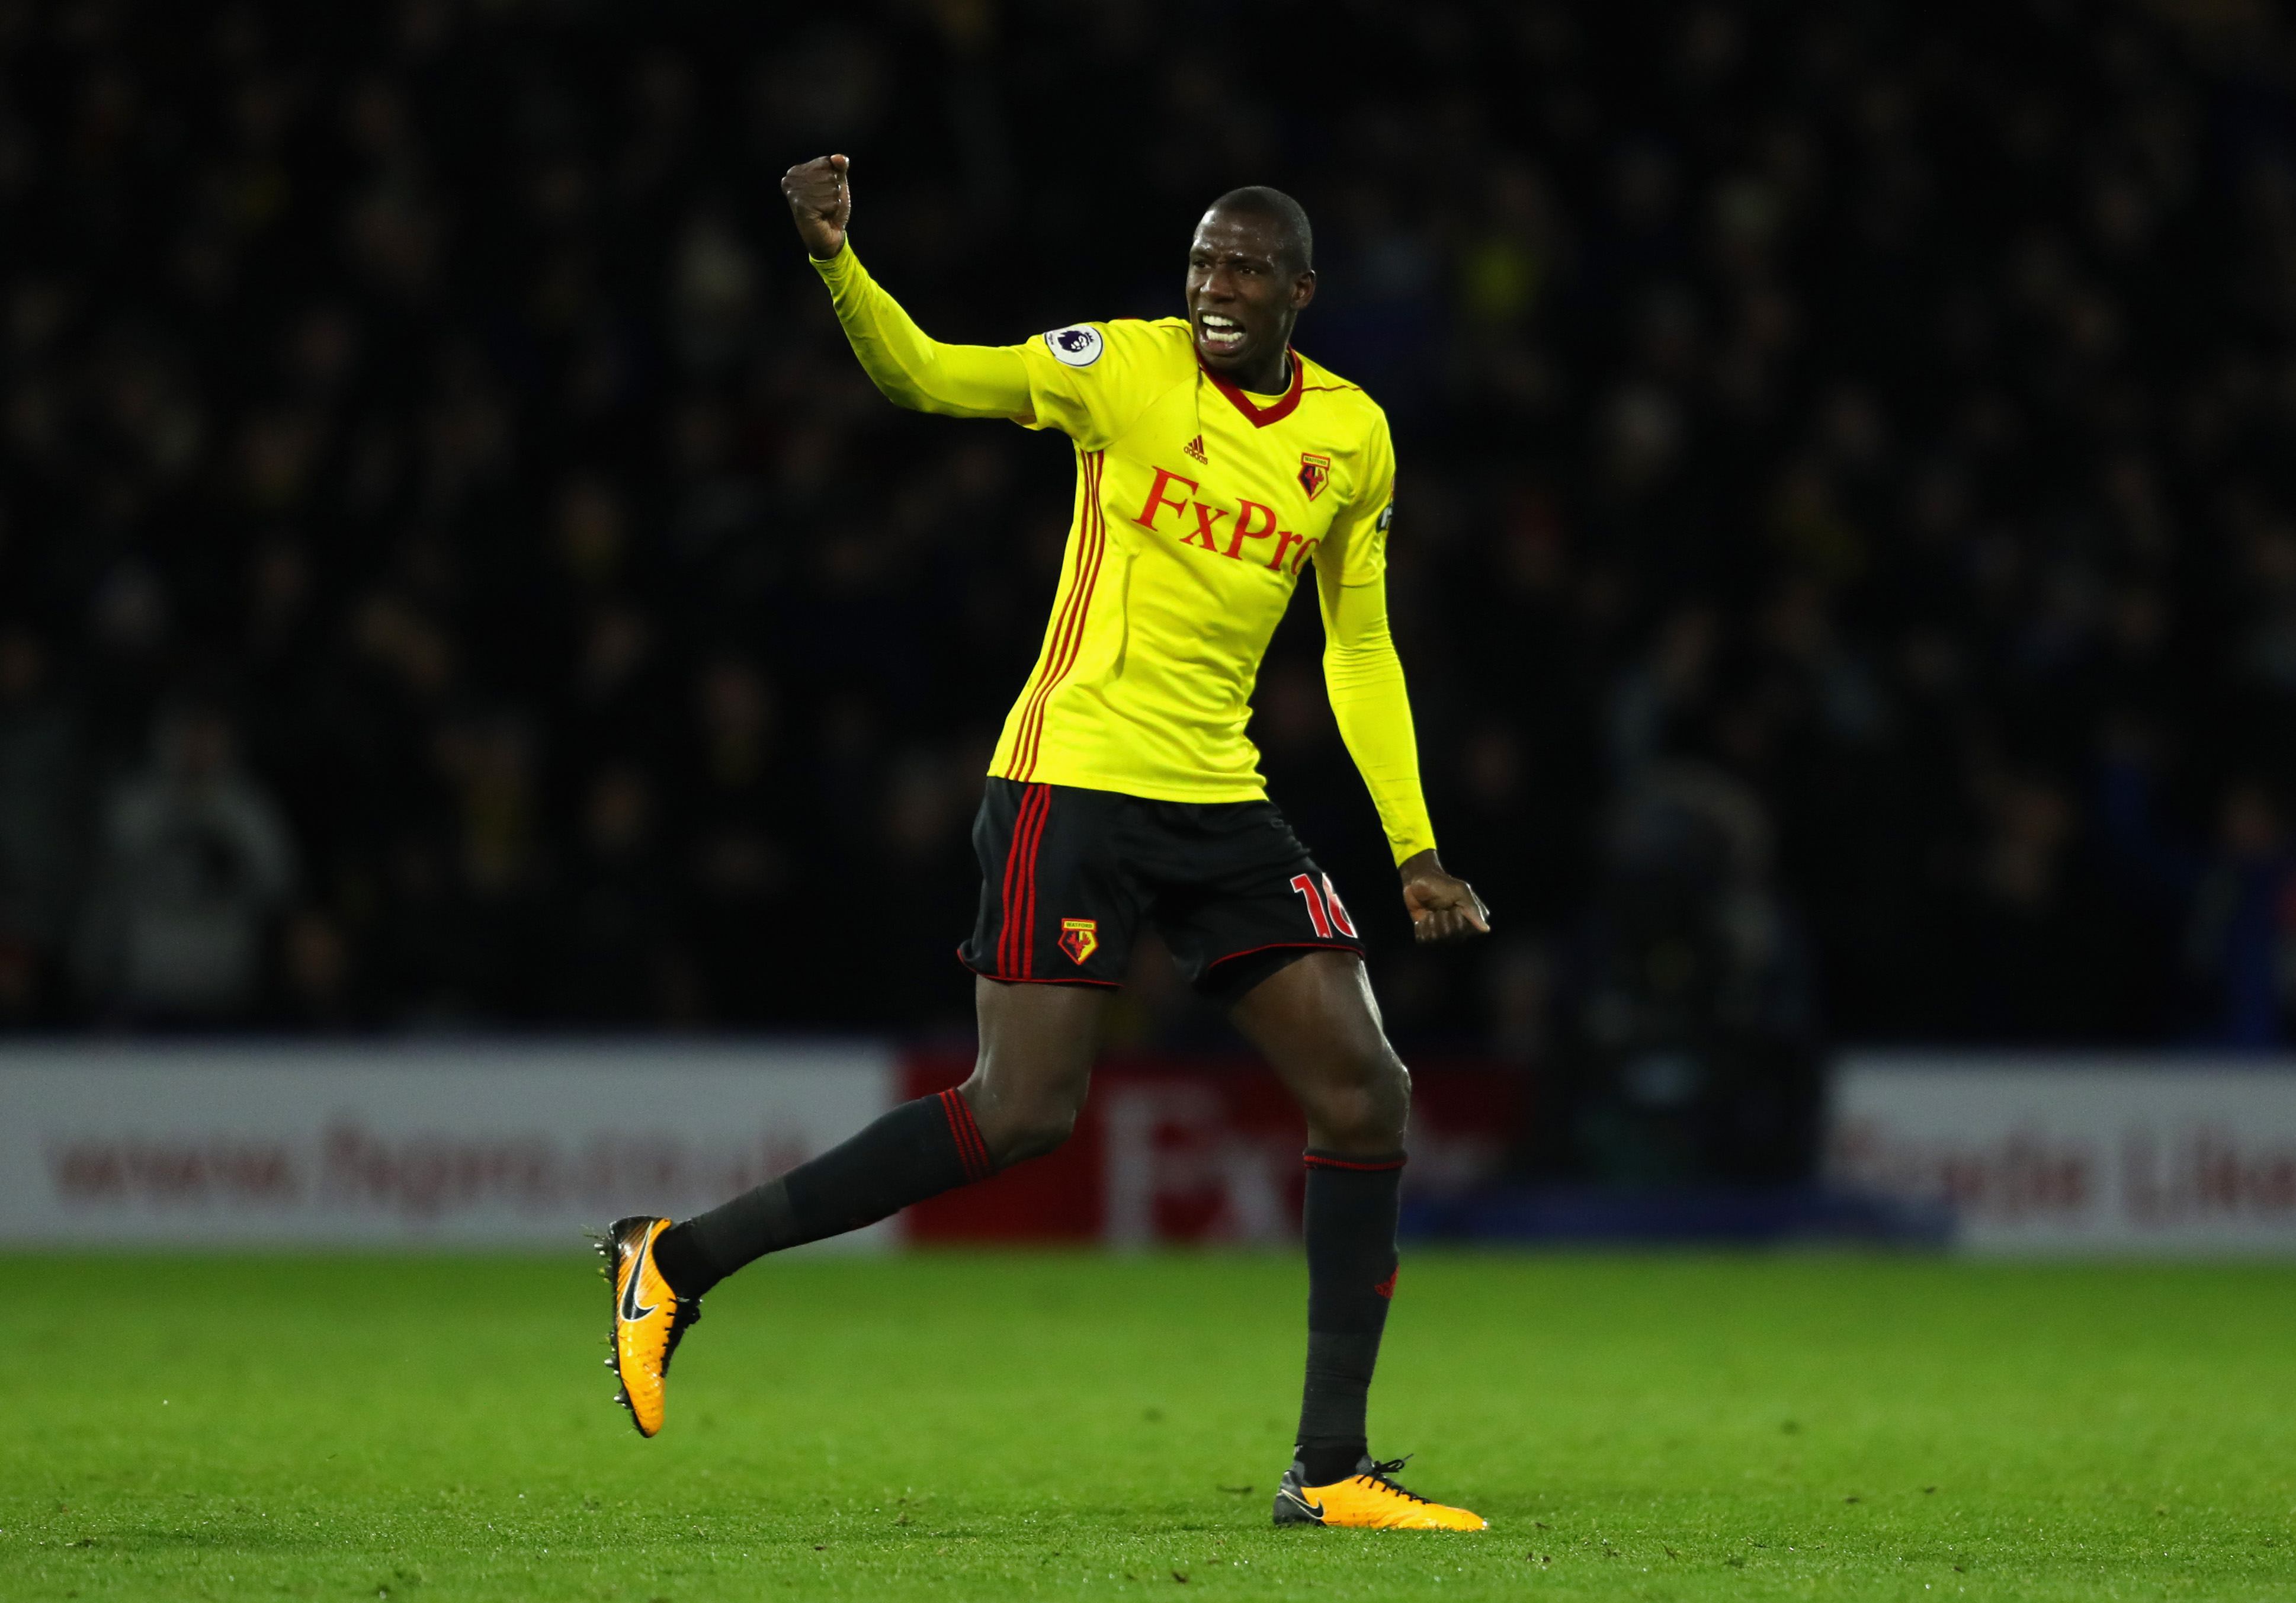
1369	1500
649	1320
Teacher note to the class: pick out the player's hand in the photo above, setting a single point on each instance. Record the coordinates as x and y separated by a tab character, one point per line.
822	202
1442	908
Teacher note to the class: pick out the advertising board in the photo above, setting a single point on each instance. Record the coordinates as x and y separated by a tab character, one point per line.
490	1143
2076	1155
475	1144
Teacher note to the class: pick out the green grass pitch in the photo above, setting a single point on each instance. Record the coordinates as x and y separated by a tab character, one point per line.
958	1426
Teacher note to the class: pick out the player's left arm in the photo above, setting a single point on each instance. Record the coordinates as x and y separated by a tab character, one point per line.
1364	678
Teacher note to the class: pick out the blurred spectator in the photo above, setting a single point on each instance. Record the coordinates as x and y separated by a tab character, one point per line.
2236	902
194	860
41	825
616	965
1690	1043
2048	953
321	989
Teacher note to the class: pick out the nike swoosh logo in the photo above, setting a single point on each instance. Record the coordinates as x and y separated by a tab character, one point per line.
630	1309
1314	1509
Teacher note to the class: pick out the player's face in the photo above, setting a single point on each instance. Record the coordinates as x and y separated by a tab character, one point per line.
1242	300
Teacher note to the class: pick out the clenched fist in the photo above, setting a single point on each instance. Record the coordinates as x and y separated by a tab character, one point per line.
821	201
1443	908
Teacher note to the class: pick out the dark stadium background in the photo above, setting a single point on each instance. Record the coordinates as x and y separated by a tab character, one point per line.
453	574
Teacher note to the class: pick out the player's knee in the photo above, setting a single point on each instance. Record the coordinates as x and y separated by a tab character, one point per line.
1028	1131
1365	1110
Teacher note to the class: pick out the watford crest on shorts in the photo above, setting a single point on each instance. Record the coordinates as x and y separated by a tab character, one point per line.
1079	937
1314	473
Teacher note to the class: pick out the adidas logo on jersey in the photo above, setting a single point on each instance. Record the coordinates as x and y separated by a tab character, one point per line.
1195	448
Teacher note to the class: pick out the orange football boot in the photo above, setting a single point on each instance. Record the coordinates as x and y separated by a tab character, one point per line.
1366	1500
650	1319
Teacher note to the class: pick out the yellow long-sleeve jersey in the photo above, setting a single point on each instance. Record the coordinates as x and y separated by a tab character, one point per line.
1196	506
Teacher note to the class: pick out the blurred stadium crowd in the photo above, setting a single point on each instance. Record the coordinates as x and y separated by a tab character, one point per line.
452	571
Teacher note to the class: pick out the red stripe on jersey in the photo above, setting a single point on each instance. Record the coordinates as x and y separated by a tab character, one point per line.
1261	417
1047	669
1069	637
1082	620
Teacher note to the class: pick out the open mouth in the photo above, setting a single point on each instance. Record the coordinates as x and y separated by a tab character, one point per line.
1220	336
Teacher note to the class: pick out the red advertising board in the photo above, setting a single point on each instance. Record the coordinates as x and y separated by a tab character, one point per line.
1200	1149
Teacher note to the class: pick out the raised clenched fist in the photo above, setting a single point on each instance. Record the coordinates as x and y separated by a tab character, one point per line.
821	201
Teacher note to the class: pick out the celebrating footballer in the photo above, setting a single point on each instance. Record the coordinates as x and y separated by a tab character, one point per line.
1215	464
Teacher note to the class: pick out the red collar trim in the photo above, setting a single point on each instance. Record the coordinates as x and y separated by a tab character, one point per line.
1261	417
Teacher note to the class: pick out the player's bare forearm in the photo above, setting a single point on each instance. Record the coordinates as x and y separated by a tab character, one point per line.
821	202
1444	909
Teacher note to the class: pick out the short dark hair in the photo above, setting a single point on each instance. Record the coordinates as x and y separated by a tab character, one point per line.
1256	200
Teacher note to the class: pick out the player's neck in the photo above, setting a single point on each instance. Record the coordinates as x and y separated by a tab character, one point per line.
1275	380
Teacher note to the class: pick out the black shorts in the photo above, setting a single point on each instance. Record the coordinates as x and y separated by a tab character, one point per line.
1068	875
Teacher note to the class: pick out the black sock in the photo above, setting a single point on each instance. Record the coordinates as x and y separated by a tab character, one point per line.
1351	1268
920	1149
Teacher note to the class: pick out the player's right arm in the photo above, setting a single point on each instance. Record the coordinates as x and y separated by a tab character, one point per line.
913	369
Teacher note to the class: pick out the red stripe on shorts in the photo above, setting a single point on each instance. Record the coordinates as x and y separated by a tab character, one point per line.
1028	884
1011	931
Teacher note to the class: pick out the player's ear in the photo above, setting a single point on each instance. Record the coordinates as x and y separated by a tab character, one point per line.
1303	290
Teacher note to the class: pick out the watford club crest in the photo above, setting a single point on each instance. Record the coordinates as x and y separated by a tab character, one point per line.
1079	937
1314	473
